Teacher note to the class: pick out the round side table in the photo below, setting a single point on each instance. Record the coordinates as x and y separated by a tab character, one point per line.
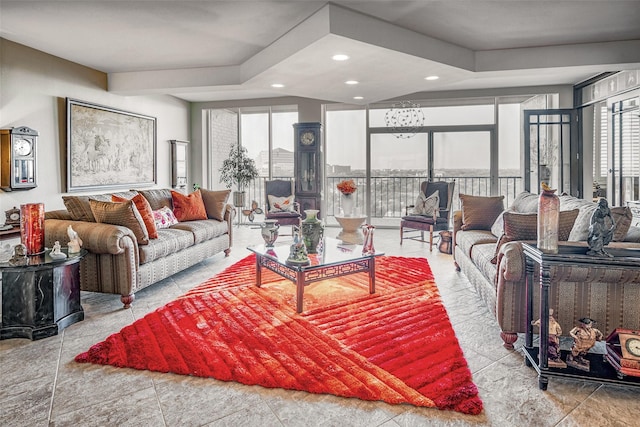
40	297
351	232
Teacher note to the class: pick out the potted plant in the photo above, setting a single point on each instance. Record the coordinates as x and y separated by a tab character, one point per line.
239	170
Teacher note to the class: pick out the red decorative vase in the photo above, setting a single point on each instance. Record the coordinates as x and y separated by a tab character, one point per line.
32	227
548	218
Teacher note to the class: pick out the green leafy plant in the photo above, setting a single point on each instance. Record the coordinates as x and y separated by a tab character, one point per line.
238	169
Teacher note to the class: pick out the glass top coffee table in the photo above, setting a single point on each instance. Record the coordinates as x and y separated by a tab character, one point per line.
336	259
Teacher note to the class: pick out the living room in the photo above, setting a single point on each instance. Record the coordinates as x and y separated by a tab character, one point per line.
34	89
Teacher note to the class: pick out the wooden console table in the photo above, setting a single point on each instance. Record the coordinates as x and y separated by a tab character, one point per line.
574	256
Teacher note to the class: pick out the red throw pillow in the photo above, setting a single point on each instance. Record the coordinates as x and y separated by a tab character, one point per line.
188	208
144	208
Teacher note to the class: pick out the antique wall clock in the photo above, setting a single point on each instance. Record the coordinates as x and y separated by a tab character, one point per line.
623	352
18	158
308	164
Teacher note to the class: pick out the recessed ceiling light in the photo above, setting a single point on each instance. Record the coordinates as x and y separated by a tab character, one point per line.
340	57
431	78
278	85
358	97
351	82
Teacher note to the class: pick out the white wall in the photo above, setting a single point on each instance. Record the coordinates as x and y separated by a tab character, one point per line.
33	89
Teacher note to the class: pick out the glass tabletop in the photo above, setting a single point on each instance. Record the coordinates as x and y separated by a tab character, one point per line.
43	258
332	251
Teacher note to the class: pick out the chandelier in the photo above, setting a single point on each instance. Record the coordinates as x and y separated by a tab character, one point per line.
404	118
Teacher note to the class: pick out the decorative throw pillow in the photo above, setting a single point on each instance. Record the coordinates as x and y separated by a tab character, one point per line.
125	214
524	226
79	208
157	197
164	218
188	208
280	204
478	212
144	208
429	206
497	229
525	202
622	216
215	202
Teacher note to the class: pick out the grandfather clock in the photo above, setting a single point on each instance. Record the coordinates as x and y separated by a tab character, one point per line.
308	164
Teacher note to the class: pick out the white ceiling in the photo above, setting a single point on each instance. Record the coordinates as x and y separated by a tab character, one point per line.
221	50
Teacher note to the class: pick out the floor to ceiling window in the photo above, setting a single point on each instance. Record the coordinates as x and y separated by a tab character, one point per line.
345	157
610	112
626	149
455	142
266	133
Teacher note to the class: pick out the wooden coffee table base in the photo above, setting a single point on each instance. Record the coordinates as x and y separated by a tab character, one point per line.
303	276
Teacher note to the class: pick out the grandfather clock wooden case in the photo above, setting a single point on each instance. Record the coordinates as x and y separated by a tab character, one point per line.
308	164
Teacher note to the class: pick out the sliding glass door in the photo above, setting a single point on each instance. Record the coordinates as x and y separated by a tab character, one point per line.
463	156
398	166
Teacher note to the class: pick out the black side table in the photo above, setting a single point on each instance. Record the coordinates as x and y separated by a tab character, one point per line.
41	297
573	256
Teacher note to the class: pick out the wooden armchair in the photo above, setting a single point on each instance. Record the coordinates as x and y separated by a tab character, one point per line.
280	202
413	226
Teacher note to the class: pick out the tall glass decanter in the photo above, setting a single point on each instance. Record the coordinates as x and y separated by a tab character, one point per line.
548	218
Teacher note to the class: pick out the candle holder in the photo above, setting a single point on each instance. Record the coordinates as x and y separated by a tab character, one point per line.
32	227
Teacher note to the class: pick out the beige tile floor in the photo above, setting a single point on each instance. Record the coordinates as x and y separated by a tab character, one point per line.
41	385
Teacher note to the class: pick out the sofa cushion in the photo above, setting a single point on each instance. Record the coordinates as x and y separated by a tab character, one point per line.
622	216
145	212
466	240
482	255
169	241
203	229
188	208
524	226
158	198
525	202
124	214
479	213
79	208
215	202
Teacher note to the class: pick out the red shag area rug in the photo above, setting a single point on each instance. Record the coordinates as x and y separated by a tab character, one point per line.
396	345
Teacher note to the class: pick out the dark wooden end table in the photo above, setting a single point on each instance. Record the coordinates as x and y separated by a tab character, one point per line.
41	297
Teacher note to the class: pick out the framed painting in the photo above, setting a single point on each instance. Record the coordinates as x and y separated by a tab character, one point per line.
109	148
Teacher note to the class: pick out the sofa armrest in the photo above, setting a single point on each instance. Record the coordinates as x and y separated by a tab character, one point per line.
98	238
229	214
457	226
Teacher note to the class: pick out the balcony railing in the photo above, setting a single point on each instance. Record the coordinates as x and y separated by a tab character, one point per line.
390	195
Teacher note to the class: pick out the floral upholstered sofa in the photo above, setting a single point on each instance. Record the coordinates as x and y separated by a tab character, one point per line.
137	238
488	250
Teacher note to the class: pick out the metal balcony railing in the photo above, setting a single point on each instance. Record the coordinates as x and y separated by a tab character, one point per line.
390	195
